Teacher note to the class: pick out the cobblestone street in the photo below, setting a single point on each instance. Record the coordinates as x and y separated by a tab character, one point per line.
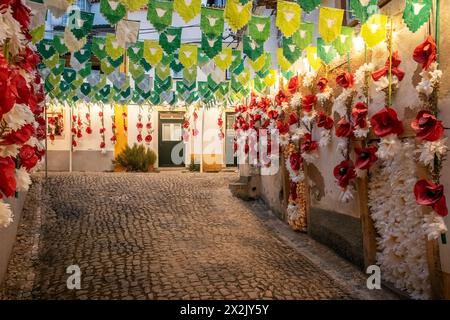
170	235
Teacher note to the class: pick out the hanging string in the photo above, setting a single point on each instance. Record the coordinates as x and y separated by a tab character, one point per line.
437	29
390	63
349	62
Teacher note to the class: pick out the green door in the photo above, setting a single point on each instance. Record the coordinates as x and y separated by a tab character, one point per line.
170	139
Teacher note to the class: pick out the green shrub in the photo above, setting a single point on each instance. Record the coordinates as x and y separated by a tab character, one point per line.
136	159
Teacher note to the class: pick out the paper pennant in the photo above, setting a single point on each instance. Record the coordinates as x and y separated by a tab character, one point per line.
118	79
58	7
252	49
213	86
86	70
236	59
112	10
325	51
244	78
259	63
176	65
167	59
80	23
190	75
211	45
98	47
116	63
223	59
136	52
271	78
417	13
259	85
291	50
154	98
259	28
59	68
52	61
374	30
162	71
37	34
37	20
69	75
113	48
363	9
212	21
46	48
188	55
343	43
237	14
86	89
136	70
308	5
305	35
127	32
282	61
288	17
187	9
313	58
72	43
153	52
330	23
202	58
147	67
93	79
59	45
170	39
134	5
83	55
106	67
160	14
144	84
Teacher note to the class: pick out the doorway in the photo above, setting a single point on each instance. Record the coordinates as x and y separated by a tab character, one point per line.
171	149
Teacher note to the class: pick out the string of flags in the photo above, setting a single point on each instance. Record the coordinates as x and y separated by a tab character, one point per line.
128	80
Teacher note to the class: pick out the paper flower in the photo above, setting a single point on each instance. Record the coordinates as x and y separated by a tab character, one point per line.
425	53
324	121
430	194
386	122
344	173
427	127
396	71
345	80
7	176
293	84
365	157
322	84
308	103
344	129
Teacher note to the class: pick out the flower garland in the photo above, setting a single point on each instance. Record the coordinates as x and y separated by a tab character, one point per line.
22	125
113	127
88	120
148	127
324	121
139	126
102	130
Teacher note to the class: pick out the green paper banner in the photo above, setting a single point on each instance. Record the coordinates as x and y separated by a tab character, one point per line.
343	44
112	10
162	71
135	52
291	50
304	35
417	13
84	54
211	46
59	45
46	49
259	28
326	52
170	39
308	5
176	65
113	48
80	23
252	49
160	14
190	75
98	47
363	9
212	21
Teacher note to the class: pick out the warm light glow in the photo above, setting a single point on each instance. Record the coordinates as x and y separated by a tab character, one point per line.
358	44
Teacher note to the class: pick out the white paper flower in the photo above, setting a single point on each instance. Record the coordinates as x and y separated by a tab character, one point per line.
284	139
389	147
310	157
23	180
325	138
6	216
434	226
342	146
308	79
340	103
18	116
296	100
428	150
361	133
425	86
347	195
293	212
9	150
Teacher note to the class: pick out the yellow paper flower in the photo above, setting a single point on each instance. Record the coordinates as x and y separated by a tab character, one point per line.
374	30
330	23
153	52
223	59
288	17
188	55
237	15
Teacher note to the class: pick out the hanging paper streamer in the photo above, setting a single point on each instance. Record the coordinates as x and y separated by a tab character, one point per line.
188	55
260	62
127	32
313	58
59	67
237	14
308	5
252	49
153	52
46	49
223	59
305	35
136	52
343	43
176	65
71	42
271	79
237	64
134	5
363	9
85	71
288	17
106	67
259	28
190	75
282	61
326	52
37	20
59	45
170	39
291	49
374	30
58	7
160	14
112	47
112	10
83	55
80	23
136	71
212	21
417	13
259	85
98	47
211	45
187	9
330	23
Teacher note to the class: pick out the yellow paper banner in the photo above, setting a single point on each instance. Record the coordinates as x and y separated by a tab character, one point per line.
188	55
288	17
271	78
259	63
223	59
374	30
282	61
313	59
152	52
187	9
330	23
237	15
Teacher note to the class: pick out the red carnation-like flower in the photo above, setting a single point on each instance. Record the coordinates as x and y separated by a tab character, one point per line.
148	125
139	137
102	130
322	84
293	191
51	136
220	122
88	116
359	115
79	134
430	194
344	129
102	145
7	177
282	127
28	158
195	115
21	13
324	121
426	53
427	127
293	119
19	136
345	80
139	125
365	157
100	114
308	144
273	114
308	103
89	130
386	122
194	132
281	97
186	124
113	139
293	85
295	159
344	173
74	143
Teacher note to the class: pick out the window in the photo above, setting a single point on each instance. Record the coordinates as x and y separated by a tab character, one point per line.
171	132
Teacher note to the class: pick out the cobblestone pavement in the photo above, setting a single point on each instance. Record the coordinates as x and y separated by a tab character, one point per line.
170	235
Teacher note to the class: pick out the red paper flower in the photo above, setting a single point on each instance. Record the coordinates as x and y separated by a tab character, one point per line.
359	115
89	130
295	159
74	143
221	135
345	80
148	138
322	84
100	114
186	124
365	157
102	145
281	97
308	103
344	173
28	158
194	132
377	75
293	119
293	191
273	114
220	122
7	177
293	85
8	91
88	116
21	13
139	125
102	130
386	122
344	129
430	194
308	144
426	53
427	127
324	121
282	127
113	139
148	125
139	137
19	136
